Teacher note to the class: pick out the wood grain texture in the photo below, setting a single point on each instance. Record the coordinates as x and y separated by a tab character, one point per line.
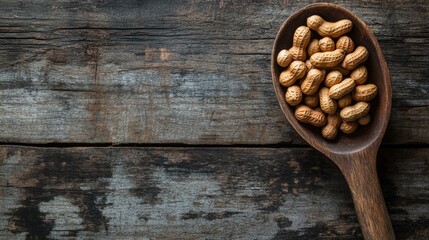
194	72
198	193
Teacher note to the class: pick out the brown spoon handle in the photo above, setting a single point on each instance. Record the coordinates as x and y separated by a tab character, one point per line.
361	176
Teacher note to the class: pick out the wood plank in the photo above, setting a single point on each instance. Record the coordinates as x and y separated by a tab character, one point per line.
198	193
194	72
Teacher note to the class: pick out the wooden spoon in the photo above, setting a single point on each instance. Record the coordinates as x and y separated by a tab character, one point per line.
356	154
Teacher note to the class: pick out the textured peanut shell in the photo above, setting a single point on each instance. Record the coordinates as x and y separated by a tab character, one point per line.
296	70
284	58
364	93
365	120
301	38
341	89
293	95
345	43
312	81
326	44
360	75
327	104
353	113
349	127
329	29
332	78
354	59
313	47
344	101
308	64
318	109
330	130
339	69
307	115
327	59
312	100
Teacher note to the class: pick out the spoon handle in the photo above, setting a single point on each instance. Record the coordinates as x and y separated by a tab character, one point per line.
361	176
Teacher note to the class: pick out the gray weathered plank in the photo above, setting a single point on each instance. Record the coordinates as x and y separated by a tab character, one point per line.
198	193
177	71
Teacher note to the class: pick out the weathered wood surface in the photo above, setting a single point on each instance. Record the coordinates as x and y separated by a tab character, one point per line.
187	72
198	193
193	72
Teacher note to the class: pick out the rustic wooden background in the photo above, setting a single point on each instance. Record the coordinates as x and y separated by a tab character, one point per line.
158	120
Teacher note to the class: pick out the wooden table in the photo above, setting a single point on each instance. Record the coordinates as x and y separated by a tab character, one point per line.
157	120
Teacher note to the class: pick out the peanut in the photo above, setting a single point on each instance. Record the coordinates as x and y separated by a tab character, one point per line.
360	75
313	47
312	81
333	77
365	120
330	130
329	29
284	58
301	38
364	93
339	69
353	113
346	44
349	127
341	89
327	104
327	59
326	44
318	109
311	100
308	65
293	95
354	59
295	71
307	115
345	101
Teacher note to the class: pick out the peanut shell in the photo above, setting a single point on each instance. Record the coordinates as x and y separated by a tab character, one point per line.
293	95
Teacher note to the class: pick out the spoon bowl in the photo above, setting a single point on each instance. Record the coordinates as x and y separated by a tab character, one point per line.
354	154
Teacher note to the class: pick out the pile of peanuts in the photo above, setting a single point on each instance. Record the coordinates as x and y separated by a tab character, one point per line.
325	79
